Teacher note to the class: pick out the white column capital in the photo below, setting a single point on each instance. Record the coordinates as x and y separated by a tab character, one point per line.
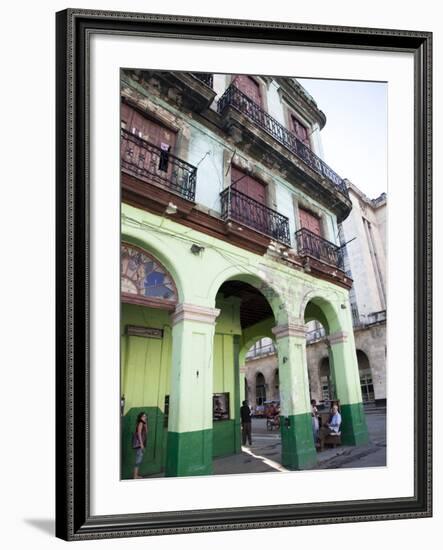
338	338
288	330
191	312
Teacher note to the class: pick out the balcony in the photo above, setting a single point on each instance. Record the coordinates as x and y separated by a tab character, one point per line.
284	147
238	207
182	89
261	351
374	318
206	78
315	335
311	245
149	164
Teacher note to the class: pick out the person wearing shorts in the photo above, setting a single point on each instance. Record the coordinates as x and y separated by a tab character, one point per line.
139	442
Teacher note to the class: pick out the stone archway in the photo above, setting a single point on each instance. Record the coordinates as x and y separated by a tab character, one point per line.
149	295
334	314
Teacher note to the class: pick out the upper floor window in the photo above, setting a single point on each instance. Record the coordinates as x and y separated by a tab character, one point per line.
249	87
300	131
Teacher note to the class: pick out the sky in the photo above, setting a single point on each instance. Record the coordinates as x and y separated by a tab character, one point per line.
355	135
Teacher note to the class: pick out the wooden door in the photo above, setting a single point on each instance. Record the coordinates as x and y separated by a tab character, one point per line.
150	160
148	129
145	380
300	131
310	221
249	212
249	87
248	185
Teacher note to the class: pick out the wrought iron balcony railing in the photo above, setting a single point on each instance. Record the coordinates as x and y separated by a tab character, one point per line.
235	98
152	164
268	349
314	335
239	207
310	244
206	78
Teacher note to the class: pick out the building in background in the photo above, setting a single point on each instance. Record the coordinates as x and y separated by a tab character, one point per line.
229	235
363	237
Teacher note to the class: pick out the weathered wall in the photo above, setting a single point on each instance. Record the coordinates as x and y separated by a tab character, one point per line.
369	296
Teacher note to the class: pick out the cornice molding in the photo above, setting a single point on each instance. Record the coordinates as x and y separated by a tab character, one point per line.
191	312
289	330
337	338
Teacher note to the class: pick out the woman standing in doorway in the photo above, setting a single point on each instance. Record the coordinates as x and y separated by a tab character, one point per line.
139	441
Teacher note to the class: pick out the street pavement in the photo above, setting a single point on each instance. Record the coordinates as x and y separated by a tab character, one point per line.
265	452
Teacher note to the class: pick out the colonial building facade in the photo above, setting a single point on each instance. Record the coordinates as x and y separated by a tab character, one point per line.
229	227
364	260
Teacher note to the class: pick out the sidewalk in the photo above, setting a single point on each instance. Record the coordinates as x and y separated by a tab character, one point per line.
265	452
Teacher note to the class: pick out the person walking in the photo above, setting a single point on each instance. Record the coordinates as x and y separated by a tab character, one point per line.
245	415
139	440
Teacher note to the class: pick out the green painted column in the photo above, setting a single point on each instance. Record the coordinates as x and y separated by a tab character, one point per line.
189	446
347	386
298	450
242	375
239	392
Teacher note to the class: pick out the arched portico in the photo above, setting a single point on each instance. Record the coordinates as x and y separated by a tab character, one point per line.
334	314
223	306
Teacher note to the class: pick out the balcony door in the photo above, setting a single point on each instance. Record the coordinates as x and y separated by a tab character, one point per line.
249	87
148	129
248	185
310	221
300	131
248	207
150	160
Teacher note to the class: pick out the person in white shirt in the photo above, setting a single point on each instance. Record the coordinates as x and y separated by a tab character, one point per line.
331	427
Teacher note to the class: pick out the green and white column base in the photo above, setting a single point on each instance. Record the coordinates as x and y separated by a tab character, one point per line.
297	441
298	450
354	430
189	448
189	453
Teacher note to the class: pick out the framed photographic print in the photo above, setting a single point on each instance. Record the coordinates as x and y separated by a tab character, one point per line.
243	274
